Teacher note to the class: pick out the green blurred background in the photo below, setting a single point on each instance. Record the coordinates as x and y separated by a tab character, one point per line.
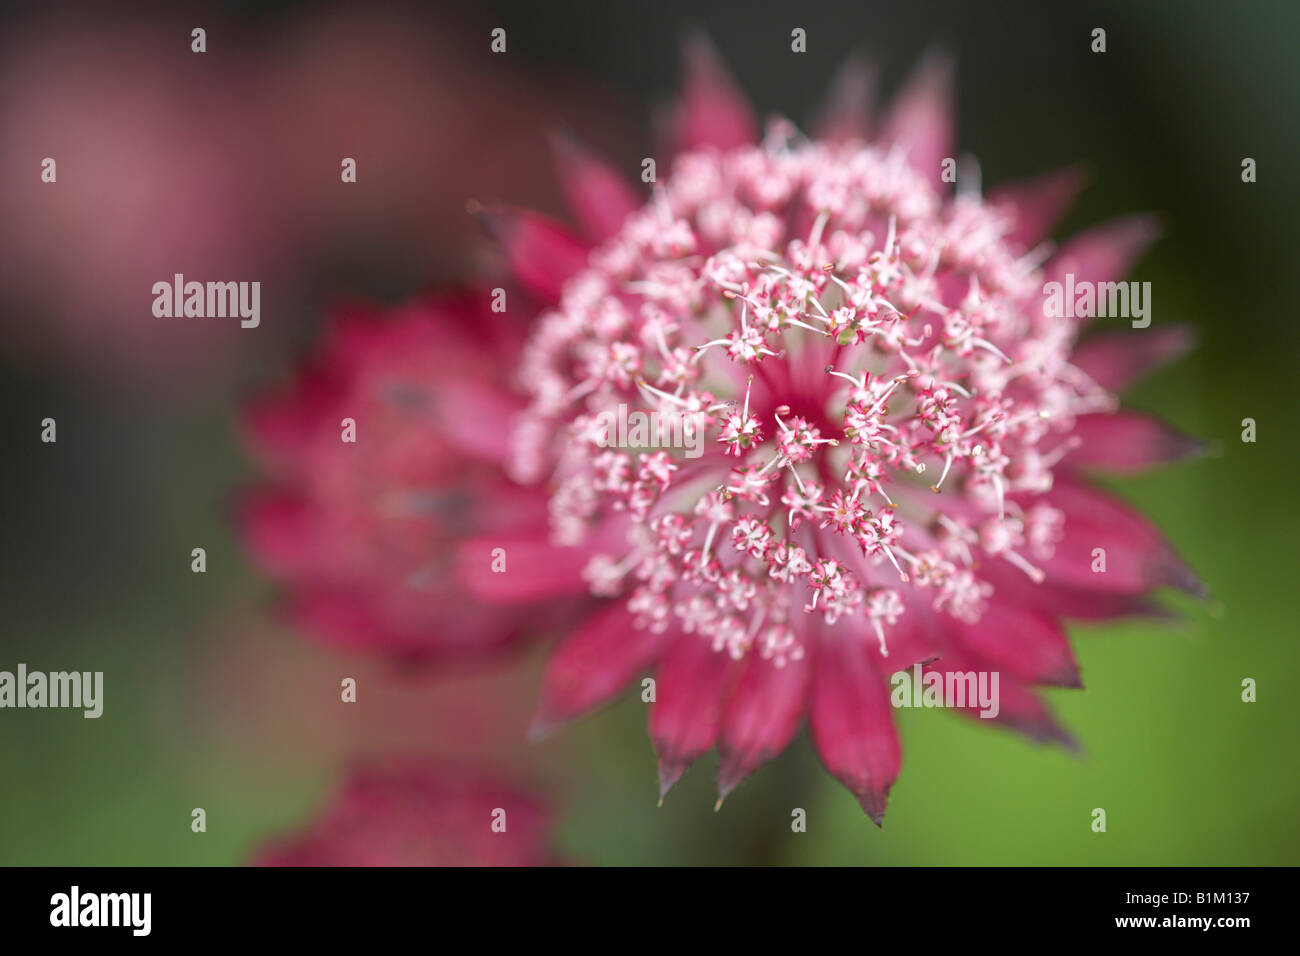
210	703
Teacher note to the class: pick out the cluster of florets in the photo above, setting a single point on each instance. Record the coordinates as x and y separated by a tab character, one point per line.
881	394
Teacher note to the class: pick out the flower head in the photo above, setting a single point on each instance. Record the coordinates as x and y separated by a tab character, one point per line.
384	455
417	814
894	427
894	430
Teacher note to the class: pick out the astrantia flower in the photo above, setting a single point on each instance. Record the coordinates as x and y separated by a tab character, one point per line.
420	815
893	432
362	534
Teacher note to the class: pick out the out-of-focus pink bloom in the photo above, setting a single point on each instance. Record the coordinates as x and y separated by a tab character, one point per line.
287	723
894	433
226	166
148	185
431	116
362	533
420	815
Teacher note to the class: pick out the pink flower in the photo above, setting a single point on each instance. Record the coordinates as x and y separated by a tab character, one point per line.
234	173
420	815
895	434
147	185
362	534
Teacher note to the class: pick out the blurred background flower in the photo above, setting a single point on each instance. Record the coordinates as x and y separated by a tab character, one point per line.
364	527
228	164
420	815
144	140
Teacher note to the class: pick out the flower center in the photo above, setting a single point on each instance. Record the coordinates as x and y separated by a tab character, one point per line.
878	394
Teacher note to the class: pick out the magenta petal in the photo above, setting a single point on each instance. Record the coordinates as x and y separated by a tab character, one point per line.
1114	359
478	417
853	724
1104	253
590	666
534	568
542	254
922	120
1125	442
1038	204
355	618
342	619
1137	557
713	112
1085	503
1019	708
916	636
598	195
280	531
1060	600
762	717
847	113
411	813
1031	646
280	427
690	694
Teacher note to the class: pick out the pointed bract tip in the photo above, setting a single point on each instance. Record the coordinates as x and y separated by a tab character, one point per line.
542	726
1182	338
933	79
567	144
698	48
1151	611
1134	233
1072	177
670	771
712	111
1039	203
855	73
846	113
499	221
873	805
1175	574
702	63
937	65
1190	448
1071	746
1069	678
564	135
729	778
1058	735
494	222
1193	585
